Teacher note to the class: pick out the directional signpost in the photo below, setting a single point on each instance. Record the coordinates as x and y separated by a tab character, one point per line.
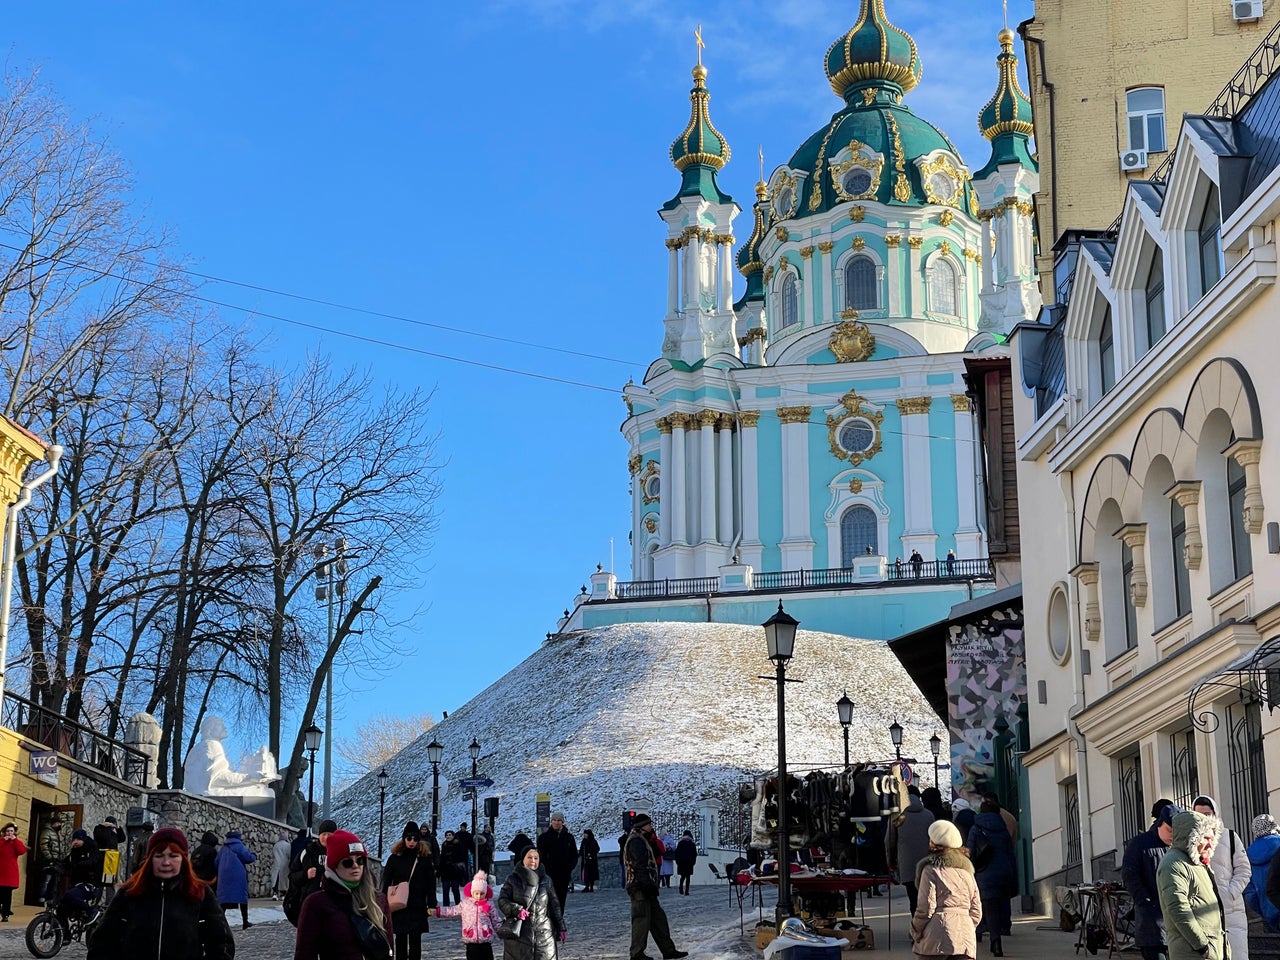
474	783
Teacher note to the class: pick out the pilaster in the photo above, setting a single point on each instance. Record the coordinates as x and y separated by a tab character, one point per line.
969	536
918	533
797	544
707	470
751	550
724	474
667	483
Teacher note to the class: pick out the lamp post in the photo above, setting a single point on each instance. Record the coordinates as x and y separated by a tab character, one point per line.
311	739
382	806
895	734
331	584
780	639
474	750
844	707
935	744
435	752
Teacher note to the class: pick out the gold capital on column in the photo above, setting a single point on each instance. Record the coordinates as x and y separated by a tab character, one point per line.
633	464
825	246
725	422
749	418
794	414
707	418
663	424
961	402
908	406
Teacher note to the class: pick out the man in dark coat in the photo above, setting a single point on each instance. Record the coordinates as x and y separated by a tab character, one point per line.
51	854
686	856
204	859
306	872
640	874
559	853
467	844
1142	858
519	843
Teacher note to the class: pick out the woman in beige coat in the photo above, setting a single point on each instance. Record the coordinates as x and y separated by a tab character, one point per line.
948	908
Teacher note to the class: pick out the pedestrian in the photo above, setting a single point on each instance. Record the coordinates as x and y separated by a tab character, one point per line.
518	843
410	862
1010	821
11	848
233	876
281	854
686	857
164	911
51	854
204	859
1262	852
962	816
640	875
108	835
917	563
479	919
453	863
140	846
484	850
931	797
466	844
559	854
1142	856
306	871
84	873
951	563
347	918
991	849
299	843
906	842
1188	901
667	869
1231	871
528	896
949	907
589	851
897	568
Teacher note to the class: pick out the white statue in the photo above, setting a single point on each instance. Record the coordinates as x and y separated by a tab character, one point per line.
208	773
143	733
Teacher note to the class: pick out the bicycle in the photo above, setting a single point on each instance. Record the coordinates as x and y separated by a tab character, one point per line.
57	925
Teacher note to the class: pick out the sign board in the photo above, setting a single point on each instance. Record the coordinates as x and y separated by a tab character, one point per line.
543	812
470	783
904	771
44	766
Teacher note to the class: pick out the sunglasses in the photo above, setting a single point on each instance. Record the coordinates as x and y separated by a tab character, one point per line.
350	862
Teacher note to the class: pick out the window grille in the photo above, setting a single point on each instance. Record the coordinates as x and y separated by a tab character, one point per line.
1145	109
1247	765
1133	819
860	285
1186	774
1071	822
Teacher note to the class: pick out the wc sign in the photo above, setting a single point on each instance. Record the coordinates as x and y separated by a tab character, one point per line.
44	765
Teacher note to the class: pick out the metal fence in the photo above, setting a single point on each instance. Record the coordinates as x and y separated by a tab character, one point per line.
73	739
687	587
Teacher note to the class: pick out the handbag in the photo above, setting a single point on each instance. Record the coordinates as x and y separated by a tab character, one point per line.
511	927
398	893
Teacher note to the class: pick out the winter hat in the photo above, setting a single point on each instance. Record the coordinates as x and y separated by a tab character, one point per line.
56	818
1205	801
1264	825
641	820
411	832
167	837
478	887
340	845
1158	806
943	833
210	838
1167	813
233	834
80	835
111	820
960	803
327	826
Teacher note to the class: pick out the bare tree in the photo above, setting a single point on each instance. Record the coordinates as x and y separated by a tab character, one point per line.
379	739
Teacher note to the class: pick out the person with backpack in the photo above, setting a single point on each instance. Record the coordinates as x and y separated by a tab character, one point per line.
1262	854
204	859
991	848
306	871
1231	872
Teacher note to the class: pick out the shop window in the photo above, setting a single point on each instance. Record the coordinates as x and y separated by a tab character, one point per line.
790	300
860	291
1145	109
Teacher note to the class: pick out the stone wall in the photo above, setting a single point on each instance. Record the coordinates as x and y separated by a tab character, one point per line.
194	815
100	794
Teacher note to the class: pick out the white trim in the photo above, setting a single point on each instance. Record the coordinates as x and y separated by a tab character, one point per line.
842	499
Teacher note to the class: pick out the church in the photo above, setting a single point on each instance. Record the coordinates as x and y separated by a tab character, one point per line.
815	434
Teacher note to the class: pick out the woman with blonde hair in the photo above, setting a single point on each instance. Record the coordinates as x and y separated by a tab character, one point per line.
948	907
347	918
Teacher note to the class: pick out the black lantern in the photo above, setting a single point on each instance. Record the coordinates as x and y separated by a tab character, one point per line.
311	738
780	642
895	734
382	806
435	753
844	709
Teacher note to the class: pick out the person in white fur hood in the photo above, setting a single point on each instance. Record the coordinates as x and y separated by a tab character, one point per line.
1231	873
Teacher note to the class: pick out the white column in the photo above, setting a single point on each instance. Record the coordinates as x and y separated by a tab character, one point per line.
673	279
915	278
637	513
726	273
797	545
810	315
679	481
707	468
666	482
918	533
828	279
751	548
988	276
968	534
894	270
691	251
724	473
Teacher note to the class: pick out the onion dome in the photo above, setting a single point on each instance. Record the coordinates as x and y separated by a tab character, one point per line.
1006	119
701	150
749	263
873	53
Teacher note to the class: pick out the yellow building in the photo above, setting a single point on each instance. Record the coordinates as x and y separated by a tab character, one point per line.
1110	83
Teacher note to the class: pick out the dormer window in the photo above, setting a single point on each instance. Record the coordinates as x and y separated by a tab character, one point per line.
1209	236
1154	294
860	285
1106	353
790	301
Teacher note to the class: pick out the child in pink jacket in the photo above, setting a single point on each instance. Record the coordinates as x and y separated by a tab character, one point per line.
479	919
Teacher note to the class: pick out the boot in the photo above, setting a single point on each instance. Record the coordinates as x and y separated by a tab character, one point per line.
997	949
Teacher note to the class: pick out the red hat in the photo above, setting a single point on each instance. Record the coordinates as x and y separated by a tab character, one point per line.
340	845
167	837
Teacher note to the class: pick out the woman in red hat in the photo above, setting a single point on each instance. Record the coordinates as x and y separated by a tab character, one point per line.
164	910
347	918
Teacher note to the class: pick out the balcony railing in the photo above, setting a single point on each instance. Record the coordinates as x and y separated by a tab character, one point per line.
687	587
73	740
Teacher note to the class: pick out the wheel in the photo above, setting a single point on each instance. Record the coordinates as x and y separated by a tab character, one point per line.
44	935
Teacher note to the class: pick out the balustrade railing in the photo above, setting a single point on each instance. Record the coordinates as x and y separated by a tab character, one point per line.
686	587
73	739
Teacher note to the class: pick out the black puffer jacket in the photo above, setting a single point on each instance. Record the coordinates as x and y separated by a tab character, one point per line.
204	859
162	923
417	867
530	890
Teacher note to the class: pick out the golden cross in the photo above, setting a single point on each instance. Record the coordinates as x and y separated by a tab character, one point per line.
697	36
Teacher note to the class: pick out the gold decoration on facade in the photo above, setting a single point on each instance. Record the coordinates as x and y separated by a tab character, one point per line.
942	164
725	421
909	406
681	421
855	487
674	244
978	259
650	472
901	185
783	263
973	204
782	235
961	402
851	341
815	192
868	96
848	313
970	253
663	424
859	243
794	414
915	243
946	217
768	274
633	464
651	524
892	240
825	246
707	418
806	252
1026	208
854	406
755	333
944	248
724	238
873	166
786	187
858	213
856	69
748	418
902	188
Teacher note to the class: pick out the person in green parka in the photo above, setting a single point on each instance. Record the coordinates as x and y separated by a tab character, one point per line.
1188	899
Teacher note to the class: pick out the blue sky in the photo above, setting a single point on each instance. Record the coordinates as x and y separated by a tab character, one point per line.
492	166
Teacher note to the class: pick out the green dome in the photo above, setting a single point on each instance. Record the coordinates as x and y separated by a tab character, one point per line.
749	263
1009	111
873	52
700	151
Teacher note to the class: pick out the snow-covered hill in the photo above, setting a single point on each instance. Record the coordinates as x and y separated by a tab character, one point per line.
664	712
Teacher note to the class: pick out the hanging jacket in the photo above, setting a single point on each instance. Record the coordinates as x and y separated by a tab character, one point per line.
539	932
160	922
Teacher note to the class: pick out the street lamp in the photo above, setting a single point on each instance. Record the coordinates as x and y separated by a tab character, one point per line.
311	739
935	744
474	750
435	752
895	734
780	640
382	806
844	707
331	583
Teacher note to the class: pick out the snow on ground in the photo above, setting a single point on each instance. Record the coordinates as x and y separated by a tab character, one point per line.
660	713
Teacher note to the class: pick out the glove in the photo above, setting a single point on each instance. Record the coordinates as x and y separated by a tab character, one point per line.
564	936
524	914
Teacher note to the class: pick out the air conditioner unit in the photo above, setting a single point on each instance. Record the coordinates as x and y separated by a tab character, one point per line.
1246	11
1133	160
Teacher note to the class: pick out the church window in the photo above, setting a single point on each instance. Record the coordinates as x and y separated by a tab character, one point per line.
782	203
942	287
1145	108
1210	243
856	182
790	301
859	534
1106	353
857	435
944	186
860	291
653	487
1155	299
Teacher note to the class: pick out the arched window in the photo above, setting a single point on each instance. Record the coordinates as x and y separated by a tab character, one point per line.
1181	576
860	285
1241	554
1106	353
1155	299
859	534
1144	108
1130	611
790	301
942	287
1210	243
